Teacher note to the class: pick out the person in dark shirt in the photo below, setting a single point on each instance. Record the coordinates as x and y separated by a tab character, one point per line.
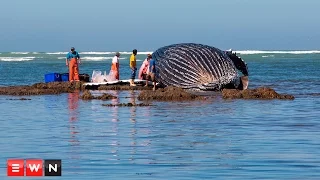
73	61
152	73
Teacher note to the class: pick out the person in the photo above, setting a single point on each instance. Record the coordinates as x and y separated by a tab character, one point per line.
133	67
115	66
152	73
144	69
73	61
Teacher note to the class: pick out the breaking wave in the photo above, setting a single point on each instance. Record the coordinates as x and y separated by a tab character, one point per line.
88	58
277	52
17	58
265	56
96	53
20	52
53	53
96	58
150	52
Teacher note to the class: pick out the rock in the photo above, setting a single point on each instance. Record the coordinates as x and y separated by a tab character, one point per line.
88	96
168	94
259	93
105	96
42	88
22	99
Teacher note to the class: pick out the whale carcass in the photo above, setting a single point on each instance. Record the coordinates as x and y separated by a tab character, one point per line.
199	67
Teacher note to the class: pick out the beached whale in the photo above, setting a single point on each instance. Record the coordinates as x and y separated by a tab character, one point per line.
199	67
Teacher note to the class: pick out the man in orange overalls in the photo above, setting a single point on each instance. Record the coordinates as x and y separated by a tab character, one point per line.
73	61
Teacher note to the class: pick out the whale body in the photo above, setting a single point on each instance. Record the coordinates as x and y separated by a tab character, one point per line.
199	67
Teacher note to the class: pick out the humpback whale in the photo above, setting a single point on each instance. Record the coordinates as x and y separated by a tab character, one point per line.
199	67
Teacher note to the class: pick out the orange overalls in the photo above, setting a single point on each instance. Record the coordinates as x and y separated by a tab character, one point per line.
115	70
73	70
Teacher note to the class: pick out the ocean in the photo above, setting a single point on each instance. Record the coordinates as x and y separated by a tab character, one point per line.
210	139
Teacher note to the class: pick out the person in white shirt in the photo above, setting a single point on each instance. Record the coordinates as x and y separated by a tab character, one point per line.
115	66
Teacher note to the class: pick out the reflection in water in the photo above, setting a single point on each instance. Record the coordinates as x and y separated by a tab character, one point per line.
115	118
133	108
73	103
146	132
131	130
73	99
133	120
115	109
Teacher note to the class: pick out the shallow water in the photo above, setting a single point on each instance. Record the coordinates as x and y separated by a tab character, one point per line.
211	139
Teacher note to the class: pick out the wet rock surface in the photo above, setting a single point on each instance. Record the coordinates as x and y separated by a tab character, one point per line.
21	99
42	88
60	87
146	94
168	94
88	96
258	93
127	104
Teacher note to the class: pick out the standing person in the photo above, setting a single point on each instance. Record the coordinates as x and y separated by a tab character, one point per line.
152	73
115	66
133	67
73	61
144	69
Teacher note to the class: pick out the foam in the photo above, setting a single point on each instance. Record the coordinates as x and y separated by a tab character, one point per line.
277	52
97	53
52	53
266	56
95	58
124	52
137	53
19	52
17	58
247	52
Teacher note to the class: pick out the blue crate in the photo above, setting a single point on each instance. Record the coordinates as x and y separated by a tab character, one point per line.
52	77
65	77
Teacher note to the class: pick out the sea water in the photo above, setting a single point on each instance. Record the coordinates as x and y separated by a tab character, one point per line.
211	139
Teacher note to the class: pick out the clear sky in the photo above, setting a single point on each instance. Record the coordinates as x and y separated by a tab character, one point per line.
122	25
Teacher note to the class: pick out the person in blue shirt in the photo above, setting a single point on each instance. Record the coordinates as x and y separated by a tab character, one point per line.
73	61
152	73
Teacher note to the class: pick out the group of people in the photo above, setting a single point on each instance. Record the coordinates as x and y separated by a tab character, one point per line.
147	70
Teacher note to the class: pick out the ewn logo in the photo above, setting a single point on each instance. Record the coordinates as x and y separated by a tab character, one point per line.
34	167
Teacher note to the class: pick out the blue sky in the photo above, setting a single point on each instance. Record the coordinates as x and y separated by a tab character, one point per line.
122	25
